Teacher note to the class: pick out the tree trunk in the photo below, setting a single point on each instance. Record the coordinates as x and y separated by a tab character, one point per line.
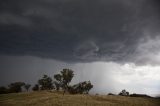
64	92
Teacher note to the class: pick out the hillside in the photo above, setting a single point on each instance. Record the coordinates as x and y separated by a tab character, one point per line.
46	98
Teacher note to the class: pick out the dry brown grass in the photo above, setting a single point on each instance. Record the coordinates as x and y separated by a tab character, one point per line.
45	98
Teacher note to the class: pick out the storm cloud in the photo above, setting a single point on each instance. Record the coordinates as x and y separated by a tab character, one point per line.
82	31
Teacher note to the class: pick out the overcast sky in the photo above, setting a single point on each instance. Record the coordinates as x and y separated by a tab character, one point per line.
113	43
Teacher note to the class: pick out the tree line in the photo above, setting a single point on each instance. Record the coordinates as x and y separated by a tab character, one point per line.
61	82
126	93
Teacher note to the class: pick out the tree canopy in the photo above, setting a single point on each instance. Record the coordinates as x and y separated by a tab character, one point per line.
82	87
45	83
124	93
16	87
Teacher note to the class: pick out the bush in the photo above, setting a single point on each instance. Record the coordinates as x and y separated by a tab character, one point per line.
111	94
36	87
16	87
3	90
82	87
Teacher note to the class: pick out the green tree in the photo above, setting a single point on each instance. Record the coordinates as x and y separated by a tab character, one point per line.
64	78
27	86
36	87
16	87
45	83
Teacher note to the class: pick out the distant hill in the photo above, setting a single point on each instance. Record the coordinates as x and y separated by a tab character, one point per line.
140	95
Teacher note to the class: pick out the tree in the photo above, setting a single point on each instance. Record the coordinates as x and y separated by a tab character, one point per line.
124	93
67	76
64	78
36	87
82	87
16	87
58	82
57	85
87	87
58	77
27	86
45	83
3	90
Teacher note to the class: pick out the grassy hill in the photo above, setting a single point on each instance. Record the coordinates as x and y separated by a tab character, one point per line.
46	98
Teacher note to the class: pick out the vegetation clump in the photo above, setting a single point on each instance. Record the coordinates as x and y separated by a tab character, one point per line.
61	81
124	93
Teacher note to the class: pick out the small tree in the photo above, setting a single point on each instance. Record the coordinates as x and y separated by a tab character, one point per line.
27	86
36	87
124	93
16	87
45	83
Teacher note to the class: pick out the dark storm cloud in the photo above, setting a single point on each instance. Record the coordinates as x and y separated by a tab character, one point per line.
76	30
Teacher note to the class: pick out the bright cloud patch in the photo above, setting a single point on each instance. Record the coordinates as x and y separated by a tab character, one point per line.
139	79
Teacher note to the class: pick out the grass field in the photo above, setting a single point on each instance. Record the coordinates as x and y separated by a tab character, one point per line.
46	98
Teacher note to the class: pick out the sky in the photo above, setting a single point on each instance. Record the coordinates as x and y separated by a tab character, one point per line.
113	43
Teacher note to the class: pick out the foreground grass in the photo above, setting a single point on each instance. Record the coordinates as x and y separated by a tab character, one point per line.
45	98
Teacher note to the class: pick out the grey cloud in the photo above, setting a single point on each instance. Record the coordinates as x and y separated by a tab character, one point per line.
86	50
148	52
76	30
14	20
